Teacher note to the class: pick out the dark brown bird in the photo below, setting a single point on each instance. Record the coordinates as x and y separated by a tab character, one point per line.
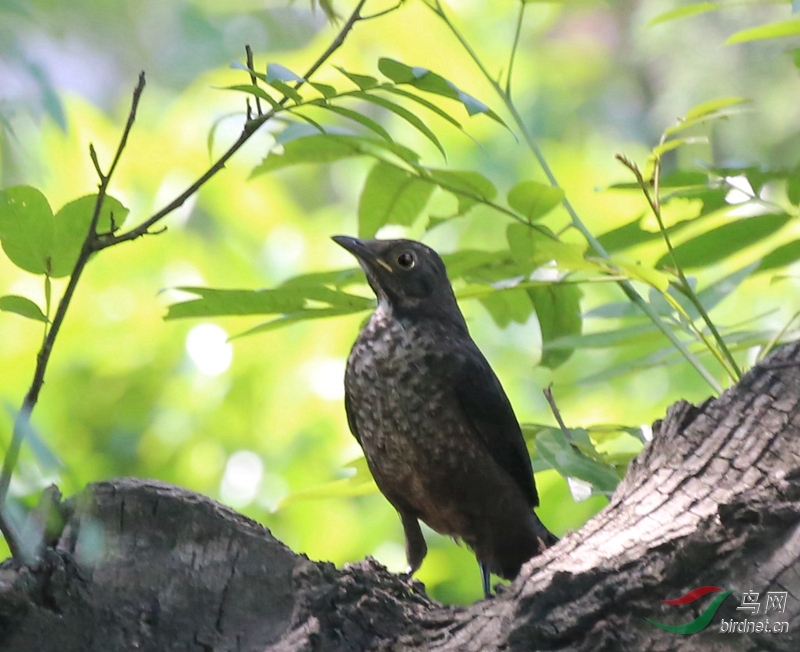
438	432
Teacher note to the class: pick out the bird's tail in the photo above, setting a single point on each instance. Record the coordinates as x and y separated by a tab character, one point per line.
518	545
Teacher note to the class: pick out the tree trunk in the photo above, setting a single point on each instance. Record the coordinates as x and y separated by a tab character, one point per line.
713	500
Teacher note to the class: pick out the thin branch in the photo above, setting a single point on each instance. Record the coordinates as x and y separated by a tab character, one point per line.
384	12
721	351
626	286
253	80
548	394
249	129
514	46
22	420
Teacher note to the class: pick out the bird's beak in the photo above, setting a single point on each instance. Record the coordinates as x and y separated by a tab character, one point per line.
364	250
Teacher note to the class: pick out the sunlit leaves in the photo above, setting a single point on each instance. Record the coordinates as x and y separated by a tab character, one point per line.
428	81
507	305
781	256
364	82
717	244
779	29
533	200
26	228
284	299
712	110
570	461
355	116
358	484
42	243
468	187
391	195
328	148
404	113
684	11
22	306
71	225
538	248
558	312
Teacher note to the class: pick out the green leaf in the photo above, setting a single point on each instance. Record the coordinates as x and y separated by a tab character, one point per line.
711	110
682	12
404	113
718	244
508	305
637	271
355	116
466	186
632	233
326	90
72	226
793	187
724	287
783	255
638	334
552	446
790	27
558	311
713	106
26	228
364	82
359	484
22	306
428	81
277	72
391	195
423	102
294	317
534	200
252	89
675	143
285	299
327	148
531	245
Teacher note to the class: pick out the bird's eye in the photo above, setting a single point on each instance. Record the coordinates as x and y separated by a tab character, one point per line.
406	260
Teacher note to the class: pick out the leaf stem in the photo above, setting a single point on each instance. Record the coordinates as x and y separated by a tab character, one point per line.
720	351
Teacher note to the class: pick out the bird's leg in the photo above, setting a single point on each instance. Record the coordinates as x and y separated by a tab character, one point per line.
416	548
485	579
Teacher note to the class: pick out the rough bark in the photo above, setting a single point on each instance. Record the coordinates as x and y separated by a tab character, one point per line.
713	500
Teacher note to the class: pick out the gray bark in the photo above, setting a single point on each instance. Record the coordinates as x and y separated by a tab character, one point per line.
713	500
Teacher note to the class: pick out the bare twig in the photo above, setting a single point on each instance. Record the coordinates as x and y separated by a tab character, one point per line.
384	12
548	394
253	80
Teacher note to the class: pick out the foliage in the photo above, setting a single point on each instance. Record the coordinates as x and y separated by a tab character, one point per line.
626	281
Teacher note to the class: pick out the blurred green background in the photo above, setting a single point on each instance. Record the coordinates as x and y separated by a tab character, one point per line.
258	419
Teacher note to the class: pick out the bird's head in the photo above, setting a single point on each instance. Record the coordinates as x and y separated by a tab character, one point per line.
408	276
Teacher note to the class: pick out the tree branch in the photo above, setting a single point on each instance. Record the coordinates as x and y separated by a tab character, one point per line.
22	420
250	127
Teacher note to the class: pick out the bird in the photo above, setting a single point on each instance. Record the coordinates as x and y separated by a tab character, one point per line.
437	430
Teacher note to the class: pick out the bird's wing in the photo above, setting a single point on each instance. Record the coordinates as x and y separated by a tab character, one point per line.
489	412
351	417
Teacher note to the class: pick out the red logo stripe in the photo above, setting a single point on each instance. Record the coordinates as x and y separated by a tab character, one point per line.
693	595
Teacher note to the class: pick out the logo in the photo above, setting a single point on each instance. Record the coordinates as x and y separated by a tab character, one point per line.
701	622
774	601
